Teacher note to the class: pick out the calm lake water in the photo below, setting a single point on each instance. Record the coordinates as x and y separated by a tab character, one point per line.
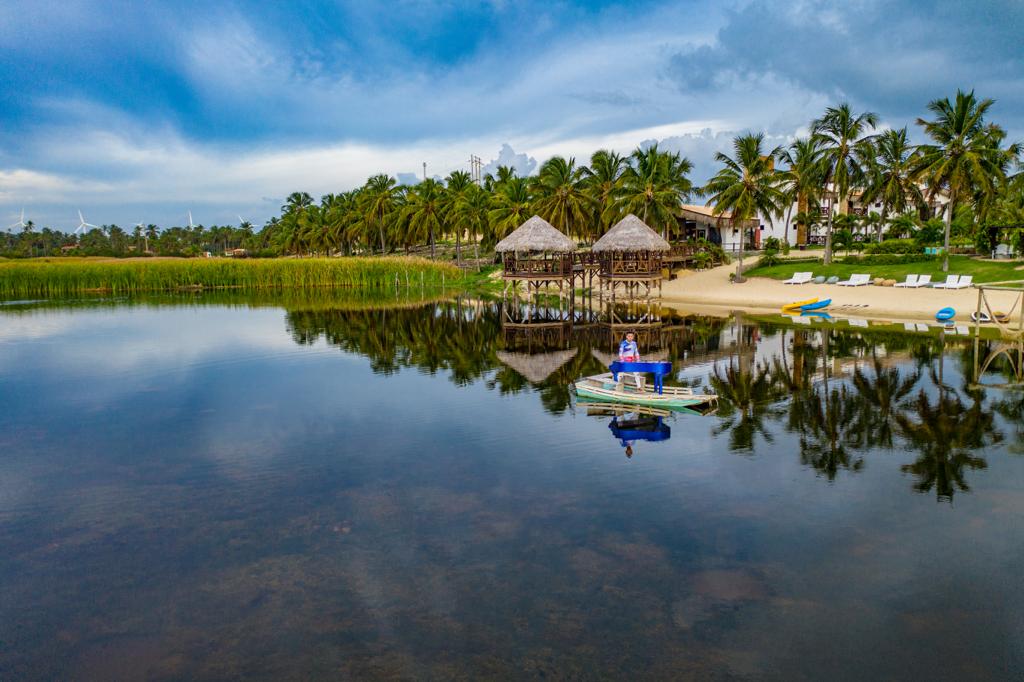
219	487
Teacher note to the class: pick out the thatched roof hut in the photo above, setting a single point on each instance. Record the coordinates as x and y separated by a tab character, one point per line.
536	367
536	235
631	234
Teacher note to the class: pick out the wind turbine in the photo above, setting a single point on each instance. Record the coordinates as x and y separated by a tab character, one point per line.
20	223
82	224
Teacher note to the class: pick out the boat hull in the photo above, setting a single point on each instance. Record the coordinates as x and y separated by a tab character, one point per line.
604	388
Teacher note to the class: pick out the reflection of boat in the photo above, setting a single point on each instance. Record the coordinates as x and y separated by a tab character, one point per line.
627	428
624	385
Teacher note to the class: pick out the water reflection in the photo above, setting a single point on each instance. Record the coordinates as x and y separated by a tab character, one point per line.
360	488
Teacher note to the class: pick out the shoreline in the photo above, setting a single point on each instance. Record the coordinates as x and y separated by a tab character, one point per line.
712	290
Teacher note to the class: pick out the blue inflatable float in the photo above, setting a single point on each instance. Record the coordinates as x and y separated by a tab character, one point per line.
945	314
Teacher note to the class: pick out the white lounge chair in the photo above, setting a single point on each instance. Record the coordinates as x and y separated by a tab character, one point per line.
856	281
922	327
799	278
911	281
950	283
909	326
802	320
858	322
962	329
923	281
964	282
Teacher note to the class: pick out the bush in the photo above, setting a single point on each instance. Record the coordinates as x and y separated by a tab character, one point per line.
888	259
891	246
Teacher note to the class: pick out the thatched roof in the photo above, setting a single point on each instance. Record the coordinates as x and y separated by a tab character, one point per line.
536	367
536	234
631	234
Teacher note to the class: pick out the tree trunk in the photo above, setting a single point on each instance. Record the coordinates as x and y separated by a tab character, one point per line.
828	235
432	255
383	250
785	231
949	226
739	279
801	227
881	222
458	247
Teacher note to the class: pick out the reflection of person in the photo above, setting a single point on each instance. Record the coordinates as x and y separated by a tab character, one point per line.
629	450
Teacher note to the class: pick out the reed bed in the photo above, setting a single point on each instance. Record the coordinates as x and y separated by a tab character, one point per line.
58	277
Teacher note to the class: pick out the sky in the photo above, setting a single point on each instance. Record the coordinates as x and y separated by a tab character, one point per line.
141	112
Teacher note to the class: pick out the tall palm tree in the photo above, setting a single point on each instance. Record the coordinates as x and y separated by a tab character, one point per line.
889	178
380	199
423	211
654	185
745	186
604	183
562	198
844	144
456	194
512	205
965	158
801	181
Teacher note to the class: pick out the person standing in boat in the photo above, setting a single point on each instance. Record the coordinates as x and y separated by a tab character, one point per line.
629	352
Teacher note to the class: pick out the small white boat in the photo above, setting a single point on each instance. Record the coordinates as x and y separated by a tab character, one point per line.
626	388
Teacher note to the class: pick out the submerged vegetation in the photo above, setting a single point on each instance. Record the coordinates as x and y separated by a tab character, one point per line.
74	276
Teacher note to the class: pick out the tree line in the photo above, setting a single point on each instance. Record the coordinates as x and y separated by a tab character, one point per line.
966	164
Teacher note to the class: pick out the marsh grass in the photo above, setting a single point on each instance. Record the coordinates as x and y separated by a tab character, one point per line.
59	277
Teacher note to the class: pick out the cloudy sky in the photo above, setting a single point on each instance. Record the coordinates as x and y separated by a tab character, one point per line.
143	111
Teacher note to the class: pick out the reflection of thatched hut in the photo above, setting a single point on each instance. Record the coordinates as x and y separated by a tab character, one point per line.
538	254
631	254
536	367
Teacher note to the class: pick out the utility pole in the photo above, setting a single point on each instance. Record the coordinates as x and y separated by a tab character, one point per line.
476	169
424	170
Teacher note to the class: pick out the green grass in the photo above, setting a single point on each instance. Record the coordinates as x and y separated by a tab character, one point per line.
983	271
63	276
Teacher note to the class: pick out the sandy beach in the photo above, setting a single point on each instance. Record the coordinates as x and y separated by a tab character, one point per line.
712	289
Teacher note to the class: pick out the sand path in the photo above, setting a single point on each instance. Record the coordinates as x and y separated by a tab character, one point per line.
711	289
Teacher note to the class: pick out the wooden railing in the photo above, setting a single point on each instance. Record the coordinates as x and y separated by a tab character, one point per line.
537	268
628	265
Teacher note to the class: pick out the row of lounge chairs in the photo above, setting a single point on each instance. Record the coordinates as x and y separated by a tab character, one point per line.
912	281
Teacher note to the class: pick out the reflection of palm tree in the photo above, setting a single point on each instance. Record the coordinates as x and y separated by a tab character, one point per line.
825	421
879	395
945	433
744	400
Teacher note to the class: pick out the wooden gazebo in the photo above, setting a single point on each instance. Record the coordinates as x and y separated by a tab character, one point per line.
631	255
538	254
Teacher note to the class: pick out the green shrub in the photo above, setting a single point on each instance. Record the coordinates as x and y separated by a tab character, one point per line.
891	246
888	259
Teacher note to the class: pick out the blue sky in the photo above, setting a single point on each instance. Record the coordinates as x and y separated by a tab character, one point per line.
143	111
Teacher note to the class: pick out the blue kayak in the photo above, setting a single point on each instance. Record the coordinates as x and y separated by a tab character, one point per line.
817	305
945	314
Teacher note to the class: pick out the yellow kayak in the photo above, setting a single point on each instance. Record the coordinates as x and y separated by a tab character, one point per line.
797	304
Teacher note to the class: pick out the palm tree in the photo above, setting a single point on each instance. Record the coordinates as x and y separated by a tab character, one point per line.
379	198
965	159
604	182
459	185
889	177
562	198
512	206
844	144
801	181
423	211
746	186
654	185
